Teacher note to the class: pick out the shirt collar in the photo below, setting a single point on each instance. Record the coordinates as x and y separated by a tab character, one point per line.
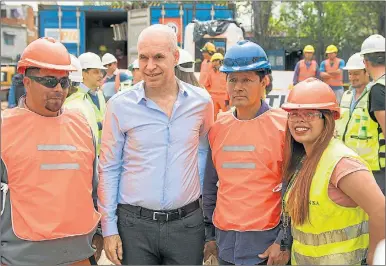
83	88
263	108
141	96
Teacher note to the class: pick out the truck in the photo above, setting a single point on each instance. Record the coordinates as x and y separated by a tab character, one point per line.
88	28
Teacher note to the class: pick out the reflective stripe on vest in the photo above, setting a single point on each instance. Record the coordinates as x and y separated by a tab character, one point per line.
306	72
336	80
347	258
249	165
359	131
333	235
50	170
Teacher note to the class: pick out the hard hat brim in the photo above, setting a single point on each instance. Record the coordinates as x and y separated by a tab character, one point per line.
109	62
26	63
254	67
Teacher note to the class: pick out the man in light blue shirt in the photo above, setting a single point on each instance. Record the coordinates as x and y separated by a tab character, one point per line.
154	148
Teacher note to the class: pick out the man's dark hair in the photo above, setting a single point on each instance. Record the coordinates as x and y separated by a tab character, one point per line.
376	59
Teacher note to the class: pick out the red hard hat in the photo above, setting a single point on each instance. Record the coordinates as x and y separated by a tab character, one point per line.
45	53
312	94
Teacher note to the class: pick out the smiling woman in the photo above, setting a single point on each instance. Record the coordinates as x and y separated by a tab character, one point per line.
331	196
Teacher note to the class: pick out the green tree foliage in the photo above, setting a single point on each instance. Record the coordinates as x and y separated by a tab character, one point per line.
344	24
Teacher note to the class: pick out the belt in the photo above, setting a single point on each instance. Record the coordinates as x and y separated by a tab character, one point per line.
162	216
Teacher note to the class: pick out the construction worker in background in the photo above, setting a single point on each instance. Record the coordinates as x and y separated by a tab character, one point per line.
184	70
114	80
137	75
48	168
331	71
121	58
355	124
92	80
112	74
78	100
306	67
242	183
373	51
332	200
216	85
207	51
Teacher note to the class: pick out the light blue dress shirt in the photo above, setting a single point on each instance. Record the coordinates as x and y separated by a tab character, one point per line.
148	159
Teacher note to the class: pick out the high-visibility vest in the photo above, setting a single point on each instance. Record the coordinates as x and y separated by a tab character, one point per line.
49	162
248	158
206	65
306	72
335	80
99	113
333	235
78	101
358	131
216	85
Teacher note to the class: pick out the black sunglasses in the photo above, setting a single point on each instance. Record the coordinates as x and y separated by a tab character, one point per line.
52	82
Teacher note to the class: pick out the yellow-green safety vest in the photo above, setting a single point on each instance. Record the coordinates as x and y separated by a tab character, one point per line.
359	131
333	235
78	101
99	113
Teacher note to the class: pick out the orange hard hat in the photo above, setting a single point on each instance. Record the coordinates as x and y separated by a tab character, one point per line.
312	93
45	53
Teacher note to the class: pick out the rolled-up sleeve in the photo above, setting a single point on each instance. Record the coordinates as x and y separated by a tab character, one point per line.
204	143
110	165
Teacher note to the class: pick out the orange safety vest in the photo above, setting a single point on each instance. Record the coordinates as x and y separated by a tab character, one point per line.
336	80
206	65
248	158
306	72
216	84
50	169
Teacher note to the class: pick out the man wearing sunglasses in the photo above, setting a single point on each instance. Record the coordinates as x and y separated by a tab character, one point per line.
92	81
48	168
242	183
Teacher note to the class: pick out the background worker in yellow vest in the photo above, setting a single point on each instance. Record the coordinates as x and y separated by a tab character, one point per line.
331	71
207	51
48	168
77	99
242	183
355	127
307	67
373	51
92	80
336	208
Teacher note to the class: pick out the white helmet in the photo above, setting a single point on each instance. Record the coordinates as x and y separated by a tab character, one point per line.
373	44
134	65
355	62
76	76
108	58
90	60
185	57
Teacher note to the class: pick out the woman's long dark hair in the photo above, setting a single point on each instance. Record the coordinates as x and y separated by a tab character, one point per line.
298	199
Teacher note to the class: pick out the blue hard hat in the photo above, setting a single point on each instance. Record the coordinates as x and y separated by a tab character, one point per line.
124	77
245	56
